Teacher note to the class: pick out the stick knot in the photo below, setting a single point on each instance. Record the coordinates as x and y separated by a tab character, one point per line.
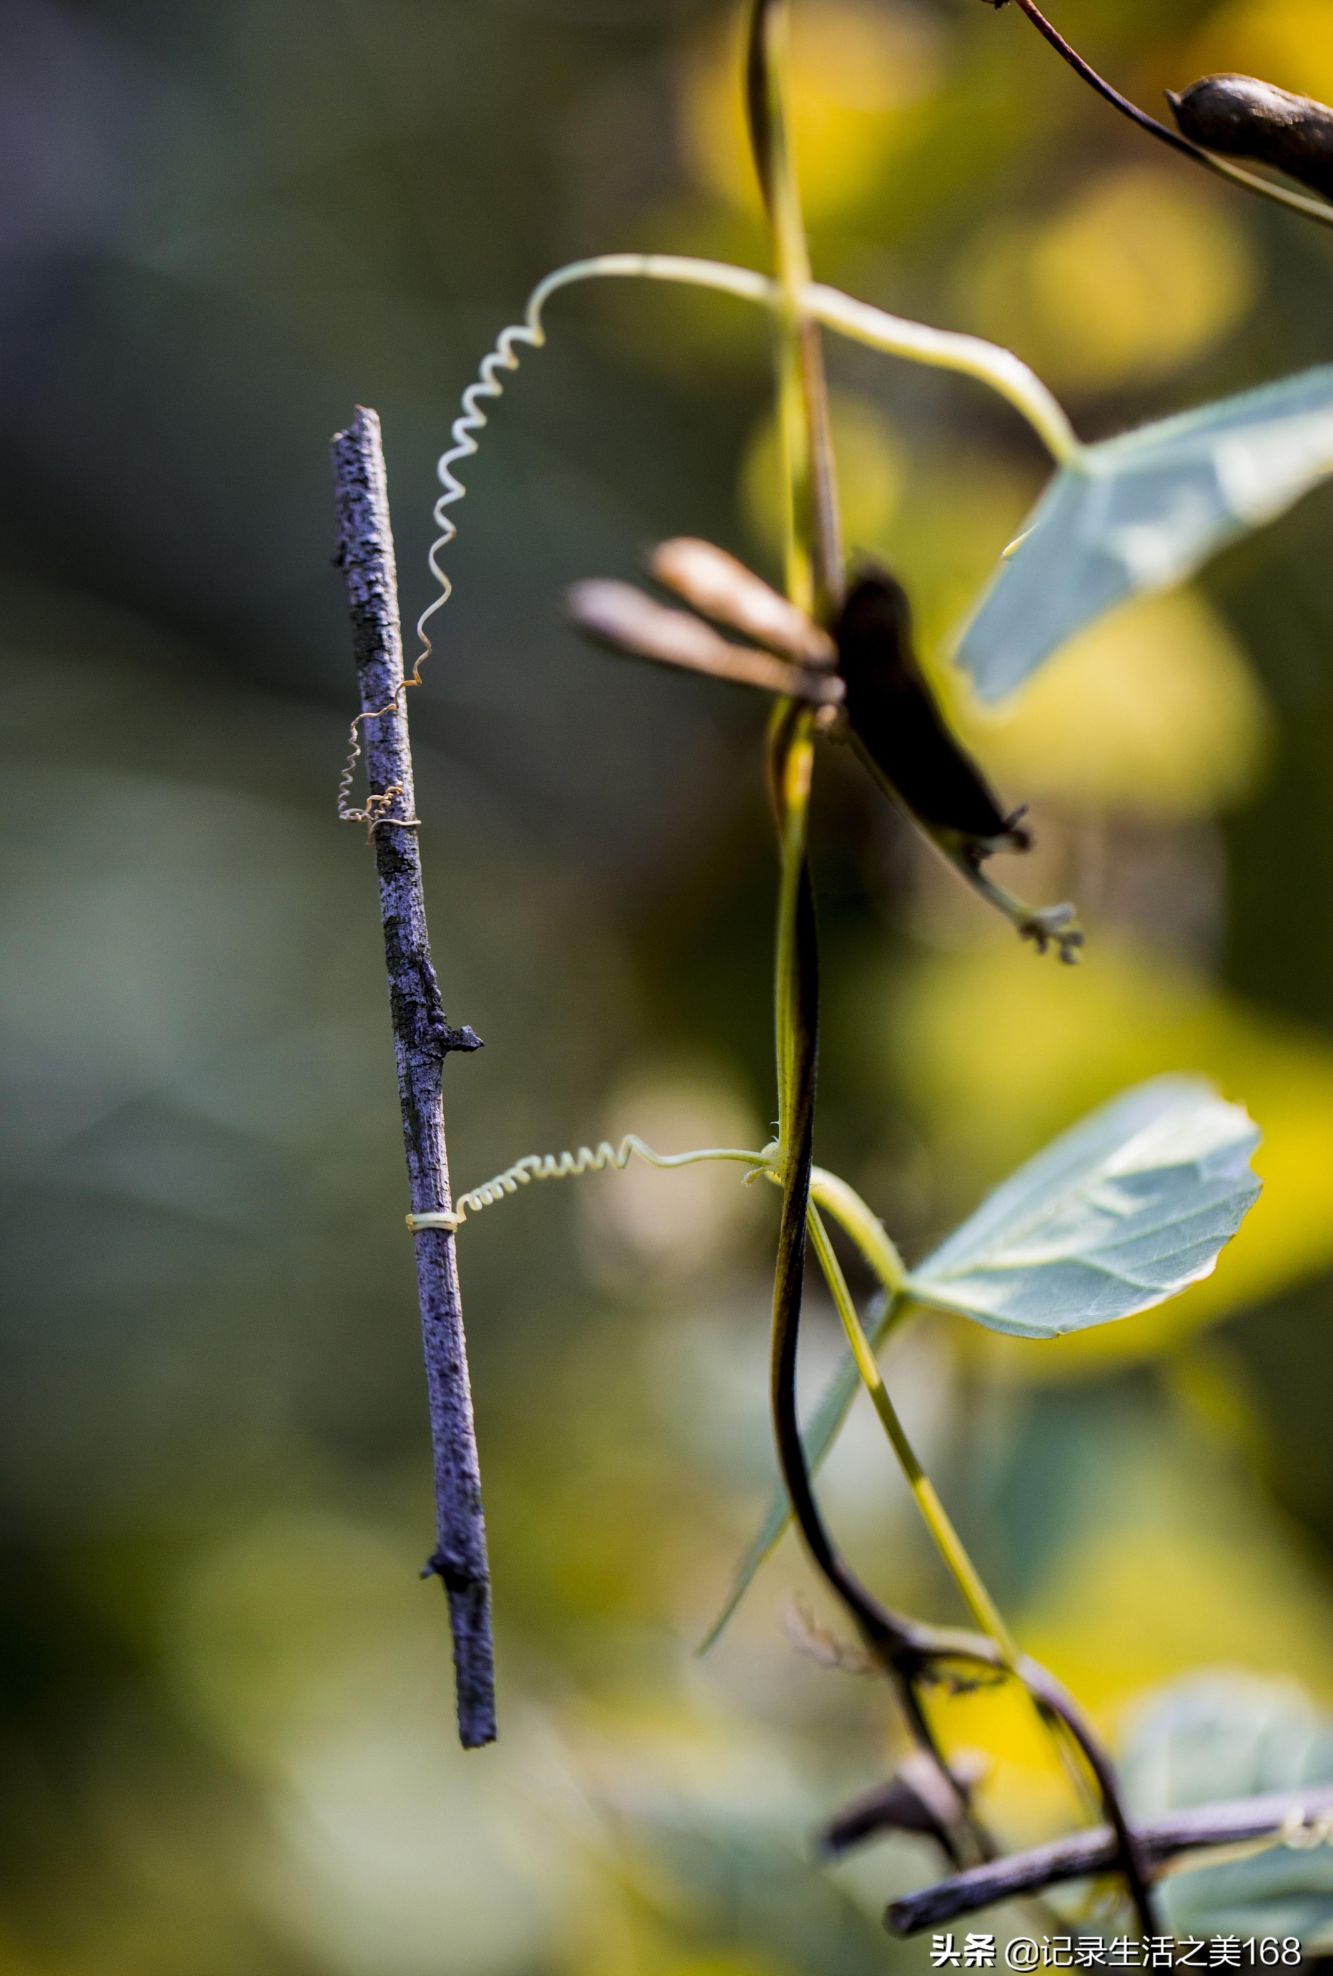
456	1575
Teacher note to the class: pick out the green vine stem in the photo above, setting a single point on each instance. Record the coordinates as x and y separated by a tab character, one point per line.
933	1513
866	1230
1055	1709
943	1533
814	579
814	547
861	322
814	582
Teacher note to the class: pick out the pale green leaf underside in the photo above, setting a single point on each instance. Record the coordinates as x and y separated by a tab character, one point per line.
817	1438
1212	1738
1142	513
1119	1214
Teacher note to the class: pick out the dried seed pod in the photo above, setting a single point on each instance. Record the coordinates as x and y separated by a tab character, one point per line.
899	731
719	587
902	737
863	681
619	616
1240	117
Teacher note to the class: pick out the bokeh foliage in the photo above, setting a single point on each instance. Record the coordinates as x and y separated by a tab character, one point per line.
228	1733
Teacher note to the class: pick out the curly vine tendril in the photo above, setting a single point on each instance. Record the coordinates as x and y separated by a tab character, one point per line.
601	1158
504	357
943	349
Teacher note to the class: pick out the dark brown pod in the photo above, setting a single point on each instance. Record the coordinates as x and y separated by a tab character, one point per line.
899	731
1241	117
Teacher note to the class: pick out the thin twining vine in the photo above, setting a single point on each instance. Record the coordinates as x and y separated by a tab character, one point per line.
805	436
808	456
860	322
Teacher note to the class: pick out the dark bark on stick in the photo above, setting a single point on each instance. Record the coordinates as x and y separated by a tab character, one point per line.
422	1038
1158	1841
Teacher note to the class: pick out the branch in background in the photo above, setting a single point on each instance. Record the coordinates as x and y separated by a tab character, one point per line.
1159	1842
422	1038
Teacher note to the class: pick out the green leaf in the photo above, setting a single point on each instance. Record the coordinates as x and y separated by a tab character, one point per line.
818	1437
1115	1216
1212	1738
1141	513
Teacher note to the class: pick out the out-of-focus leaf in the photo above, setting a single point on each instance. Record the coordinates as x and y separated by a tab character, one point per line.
1114	1217
818	1437
1216	1737
1143	512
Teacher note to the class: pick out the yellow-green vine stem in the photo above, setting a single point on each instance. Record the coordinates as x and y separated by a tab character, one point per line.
933	1513
871	1237
860	1224
862	322
814	582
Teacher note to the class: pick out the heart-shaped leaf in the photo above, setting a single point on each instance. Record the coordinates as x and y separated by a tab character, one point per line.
1141	513
1115	1216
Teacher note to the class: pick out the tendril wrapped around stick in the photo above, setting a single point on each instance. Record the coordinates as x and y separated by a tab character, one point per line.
970	356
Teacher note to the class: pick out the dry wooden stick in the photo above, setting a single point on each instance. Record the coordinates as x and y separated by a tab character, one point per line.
1160	1841
422	1038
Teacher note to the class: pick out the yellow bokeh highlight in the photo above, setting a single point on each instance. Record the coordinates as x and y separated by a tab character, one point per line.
1145	1602
1287	42
856	70
1001	1054
1025	1789
1154	711
872	473
1139	275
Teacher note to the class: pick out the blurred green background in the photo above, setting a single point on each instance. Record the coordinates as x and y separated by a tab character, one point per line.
227	1743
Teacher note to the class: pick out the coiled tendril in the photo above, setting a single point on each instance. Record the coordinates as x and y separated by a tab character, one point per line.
470	421
567	1166
944	349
